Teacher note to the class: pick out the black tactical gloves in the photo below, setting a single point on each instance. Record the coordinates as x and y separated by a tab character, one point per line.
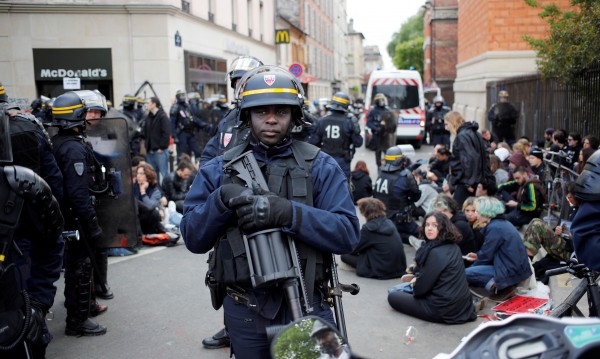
93	230
258	212
232	190
35	333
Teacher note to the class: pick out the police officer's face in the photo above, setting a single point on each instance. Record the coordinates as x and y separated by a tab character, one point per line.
93	115
270	124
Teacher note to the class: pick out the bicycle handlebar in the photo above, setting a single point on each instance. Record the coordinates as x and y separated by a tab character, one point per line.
571	268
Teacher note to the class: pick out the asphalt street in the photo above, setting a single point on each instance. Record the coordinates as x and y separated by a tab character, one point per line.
162	309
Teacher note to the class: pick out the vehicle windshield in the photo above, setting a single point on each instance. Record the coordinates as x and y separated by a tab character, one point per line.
399	97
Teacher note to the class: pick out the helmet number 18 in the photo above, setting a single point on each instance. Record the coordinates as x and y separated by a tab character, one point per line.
333	131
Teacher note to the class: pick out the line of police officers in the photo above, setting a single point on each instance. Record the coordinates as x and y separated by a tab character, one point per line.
37	174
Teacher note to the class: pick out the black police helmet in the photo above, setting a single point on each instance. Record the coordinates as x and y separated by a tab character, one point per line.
3	95
36	104
239	66
270	85
339	102
68	111
394	159
180	96
380	100
129	101
587	186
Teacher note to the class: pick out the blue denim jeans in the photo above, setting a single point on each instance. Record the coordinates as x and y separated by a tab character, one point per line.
160	162
480	276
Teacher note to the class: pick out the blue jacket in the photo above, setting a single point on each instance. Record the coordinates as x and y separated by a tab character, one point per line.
586	234
330	226
504	249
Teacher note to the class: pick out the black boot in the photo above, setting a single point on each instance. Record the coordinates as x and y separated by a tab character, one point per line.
102	294
87	327
219	340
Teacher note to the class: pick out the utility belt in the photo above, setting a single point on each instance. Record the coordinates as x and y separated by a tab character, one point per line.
238	295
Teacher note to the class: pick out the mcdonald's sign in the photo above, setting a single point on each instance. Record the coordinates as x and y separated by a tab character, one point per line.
282	36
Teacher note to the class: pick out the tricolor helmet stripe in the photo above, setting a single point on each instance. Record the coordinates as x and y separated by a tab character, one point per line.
268	90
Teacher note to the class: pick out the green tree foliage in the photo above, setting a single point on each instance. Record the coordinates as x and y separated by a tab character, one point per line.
573	43
406	47
295	342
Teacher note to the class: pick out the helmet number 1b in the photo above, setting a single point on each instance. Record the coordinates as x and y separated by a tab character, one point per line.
333	131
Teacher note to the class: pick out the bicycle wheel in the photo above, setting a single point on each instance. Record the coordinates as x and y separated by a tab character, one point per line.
569	306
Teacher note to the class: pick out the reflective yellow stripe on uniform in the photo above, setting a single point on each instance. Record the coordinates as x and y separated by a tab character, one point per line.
339	99
273	90
64	110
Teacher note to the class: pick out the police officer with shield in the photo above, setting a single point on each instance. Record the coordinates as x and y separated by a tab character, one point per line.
80	171
307	199
397	188
337	134
31	249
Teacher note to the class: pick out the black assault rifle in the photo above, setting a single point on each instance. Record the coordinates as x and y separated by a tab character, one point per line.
272	255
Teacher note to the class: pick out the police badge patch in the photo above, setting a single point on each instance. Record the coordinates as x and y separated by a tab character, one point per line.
79	167
269	79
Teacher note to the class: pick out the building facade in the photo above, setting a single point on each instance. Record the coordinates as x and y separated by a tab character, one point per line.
491	47
117	46
440	46
355	62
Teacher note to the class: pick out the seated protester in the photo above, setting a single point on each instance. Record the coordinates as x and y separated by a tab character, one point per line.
559	142
148	198
522	146
574	146
591	141
502	261
440	167
439	291
449	207
361	180
468	209
517	159
498	170
503	154
536	161
491	142
176	184
547	141
557	242
584	155
380	251
524	197
428	192
486	189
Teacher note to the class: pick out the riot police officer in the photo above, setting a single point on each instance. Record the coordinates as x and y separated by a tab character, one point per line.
80	171
435	123
227	133
337	134
397	188
382	121
503	116
310	202
183	126
132	117
31	249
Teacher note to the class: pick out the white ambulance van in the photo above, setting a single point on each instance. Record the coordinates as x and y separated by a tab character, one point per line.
405	96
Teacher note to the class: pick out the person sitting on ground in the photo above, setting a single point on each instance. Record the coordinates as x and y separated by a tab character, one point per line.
361	180
503	154
148	198
498	170
449	207
584	155
176	184
468	209
380	252
522	146
428	190
440	167
517	159
439	291
536	161
486	189
591	141
524	197
491	141
557	242
502	261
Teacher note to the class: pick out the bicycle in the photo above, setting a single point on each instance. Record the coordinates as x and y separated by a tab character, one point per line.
589	286
556	176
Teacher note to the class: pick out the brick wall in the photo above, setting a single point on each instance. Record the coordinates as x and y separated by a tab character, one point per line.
498	25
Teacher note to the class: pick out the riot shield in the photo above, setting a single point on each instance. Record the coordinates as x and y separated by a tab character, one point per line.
115	204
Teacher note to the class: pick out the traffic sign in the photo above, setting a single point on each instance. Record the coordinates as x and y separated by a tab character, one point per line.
296	69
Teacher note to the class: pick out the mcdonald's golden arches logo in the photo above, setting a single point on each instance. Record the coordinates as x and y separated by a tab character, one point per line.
282	36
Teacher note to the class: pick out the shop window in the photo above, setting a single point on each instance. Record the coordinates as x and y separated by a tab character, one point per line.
185	6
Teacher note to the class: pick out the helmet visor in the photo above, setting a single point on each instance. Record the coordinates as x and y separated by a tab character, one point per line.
244	63
5	145
93	100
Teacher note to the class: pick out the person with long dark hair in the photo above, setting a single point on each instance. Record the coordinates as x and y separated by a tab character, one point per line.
439	291
361	180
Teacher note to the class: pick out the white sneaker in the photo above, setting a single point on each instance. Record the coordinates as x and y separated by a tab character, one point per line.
415	242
